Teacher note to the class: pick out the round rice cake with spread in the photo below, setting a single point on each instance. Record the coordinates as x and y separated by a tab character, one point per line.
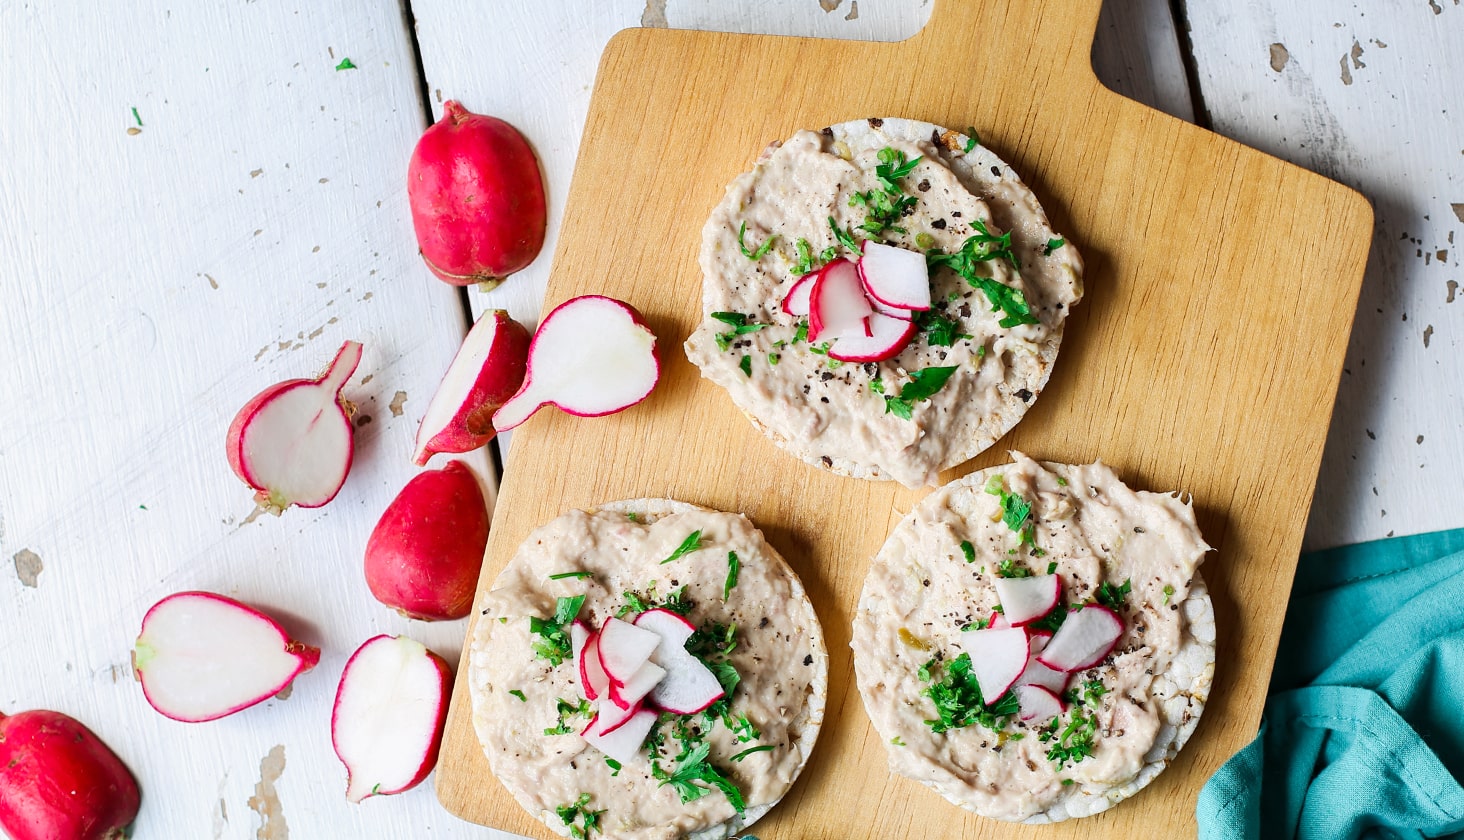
922	188
756	631
932	589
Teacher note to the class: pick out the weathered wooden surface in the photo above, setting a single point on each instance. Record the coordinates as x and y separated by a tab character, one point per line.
1177	353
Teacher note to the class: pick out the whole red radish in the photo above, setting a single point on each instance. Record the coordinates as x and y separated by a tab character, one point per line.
424	556
487	370
59	781
293	441
477	198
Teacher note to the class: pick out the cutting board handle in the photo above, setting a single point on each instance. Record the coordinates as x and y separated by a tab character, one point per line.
972	33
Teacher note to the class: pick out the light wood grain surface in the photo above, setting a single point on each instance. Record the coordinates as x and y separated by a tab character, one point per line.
1186	345
128	362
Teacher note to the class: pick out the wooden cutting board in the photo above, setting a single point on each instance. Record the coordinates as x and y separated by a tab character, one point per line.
1221	285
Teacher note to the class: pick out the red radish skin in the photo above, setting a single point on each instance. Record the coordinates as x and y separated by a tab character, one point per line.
591	356
884	339
1036	702
202	656
1084	639
593	680
624	648
389	713
488	369
894	276
58	781
795	303
425	553
629	695
624	743
293	441
836	303
477	198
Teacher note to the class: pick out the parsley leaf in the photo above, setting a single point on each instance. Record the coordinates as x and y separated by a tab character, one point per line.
845	237
553	643
981	247
1168	593
614	765
563	575
635	603
750	750
1008	568
1052	567
805	258
892	167
1016	512
939	330
693	542
519	694
589	820
733	567
346	64
568	710
1112	596
923	385
801	334
1052	245
972	139
1072	742
762	249
695	768
968	550
746	366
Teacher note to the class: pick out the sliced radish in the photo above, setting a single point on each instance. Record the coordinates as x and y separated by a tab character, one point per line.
1037	640
638	686
998	657
586	646
201	656
609	717
390	709
689	686
591	356
836	304
487	370
624	743
886	338
1038	674
892	311
997	621
795	303
624	648
1024	600
894	276
1035	702
1083	639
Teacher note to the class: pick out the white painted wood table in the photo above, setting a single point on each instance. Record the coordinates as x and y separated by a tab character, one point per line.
198	201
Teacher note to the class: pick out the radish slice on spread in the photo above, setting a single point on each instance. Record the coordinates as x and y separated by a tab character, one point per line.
998	657
609	717
1034	702
1083	639
624	648
886	338
836	304
892	311
1037	640
795	303
1024	600
1039	674
894	276
997	621
689	686
586	647
645	678
624	742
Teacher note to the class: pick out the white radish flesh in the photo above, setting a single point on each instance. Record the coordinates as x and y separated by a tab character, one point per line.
624	648
389	714
894	276
638	686
591	356
487	370
1034	702
837	306
886	338
689	686
1024	600
1037	640
892	311
998	657
1038	674
624	742
1083	639
795	303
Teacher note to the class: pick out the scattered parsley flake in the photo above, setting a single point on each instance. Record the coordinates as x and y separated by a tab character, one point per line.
733	567
774	358
746	366
1016	512
633	516
958	701
805	262
553	643
635	603
1168	593
923	385
801	333
939	330
1052	245
750	750
138	117
1008	568
924	241
346	64
563	575
568	710
877	385
981	247
968	550
578	810
897	741
695	768
614	765
693	542
972	139
1052	567
519	694
1113	596
762	249
845	236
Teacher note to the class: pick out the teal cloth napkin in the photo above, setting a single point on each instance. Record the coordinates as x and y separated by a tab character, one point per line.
1363	732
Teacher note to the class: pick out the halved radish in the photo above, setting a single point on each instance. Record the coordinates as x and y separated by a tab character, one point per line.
689	686
795	303
638	686
586	647
885	339
836	304
894	276
624	648
1024	600
1035	702
1038	674
487	370
1083	639
892	311
1037	640
624	743
998	657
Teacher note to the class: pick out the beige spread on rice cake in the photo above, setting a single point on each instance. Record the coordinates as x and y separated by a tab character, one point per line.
780	657
834	416
921	591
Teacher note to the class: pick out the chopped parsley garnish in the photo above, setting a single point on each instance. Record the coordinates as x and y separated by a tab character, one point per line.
1053	620
801	334
886	205
553	643
774	358
563	575
820	349
844	236
693	542
1168	593
1052	245
635	603
958	702
805	258
923	385
761	250
877	385
744	730
892	167
1061	482
614	765
1072	742
924	241
983	247
568	710
519	694
712	639
1052	567
138	117
733	567
897	741
939	330
695	768
738	322
968	550
633	516
346	64
972	139
1008	568
1016	512
750	750
746	366
1112	596
589	821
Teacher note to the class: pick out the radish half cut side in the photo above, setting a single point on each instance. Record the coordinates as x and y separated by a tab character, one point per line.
998	657
487	370
795	303
1084	638
689	686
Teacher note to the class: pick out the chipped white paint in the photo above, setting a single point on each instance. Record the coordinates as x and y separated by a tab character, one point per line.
1369	95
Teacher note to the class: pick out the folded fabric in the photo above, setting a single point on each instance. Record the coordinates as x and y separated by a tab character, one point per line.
1363	732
